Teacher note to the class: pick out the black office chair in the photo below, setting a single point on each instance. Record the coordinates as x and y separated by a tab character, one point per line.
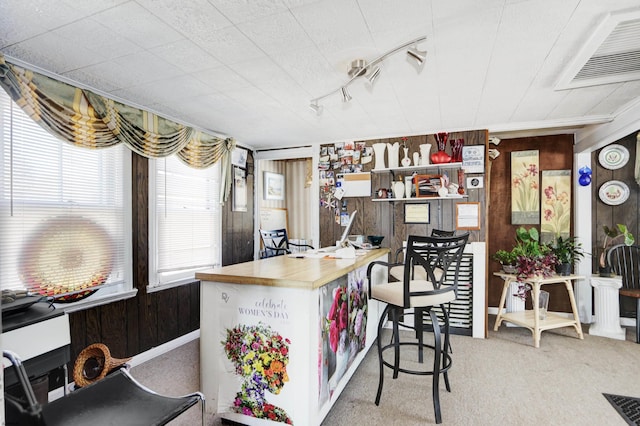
276	243
625	261
117	399
440	257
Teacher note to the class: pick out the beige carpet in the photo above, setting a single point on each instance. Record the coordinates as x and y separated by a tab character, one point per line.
502	380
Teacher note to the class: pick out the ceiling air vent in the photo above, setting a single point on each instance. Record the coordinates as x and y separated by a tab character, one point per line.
612	54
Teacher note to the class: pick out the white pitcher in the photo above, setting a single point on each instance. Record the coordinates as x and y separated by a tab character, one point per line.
425	157
398	189
394	151
378	150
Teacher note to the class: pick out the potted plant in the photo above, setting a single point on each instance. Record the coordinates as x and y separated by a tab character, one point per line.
533	257
507	259
611	237
567	251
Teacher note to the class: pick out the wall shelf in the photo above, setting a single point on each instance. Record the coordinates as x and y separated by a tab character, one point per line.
422	199
416	168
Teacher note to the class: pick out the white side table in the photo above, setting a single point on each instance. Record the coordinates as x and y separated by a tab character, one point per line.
607	308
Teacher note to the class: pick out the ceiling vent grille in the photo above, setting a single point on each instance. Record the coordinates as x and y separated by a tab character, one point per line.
612	54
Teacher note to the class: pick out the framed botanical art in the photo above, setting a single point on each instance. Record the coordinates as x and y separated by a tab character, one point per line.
555	214
525	187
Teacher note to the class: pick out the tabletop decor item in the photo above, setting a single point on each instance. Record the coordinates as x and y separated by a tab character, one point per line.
506	258
613	236
440	156
425	149
379	149
568	251
393	152
533	258
456	150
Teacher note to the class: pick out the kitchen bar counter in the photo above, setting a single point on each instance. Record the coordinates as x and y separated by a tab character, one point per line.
280	337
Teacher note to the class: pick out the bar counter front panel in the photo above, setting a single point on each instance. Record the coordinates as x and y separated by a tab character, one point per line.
281	337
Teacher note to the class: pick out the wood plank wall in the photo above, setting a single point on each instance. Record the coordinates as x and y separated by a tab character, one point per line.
556	153
387	218
132	326
627	213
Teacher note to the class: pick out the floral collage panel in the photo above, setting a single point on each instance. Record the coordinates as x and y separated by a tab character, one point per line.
262	353
555	215
525	187
344	312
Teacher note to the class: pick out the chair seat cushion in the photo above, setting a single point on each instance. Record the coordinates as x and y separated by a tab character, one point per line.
392	293
419	273
630	292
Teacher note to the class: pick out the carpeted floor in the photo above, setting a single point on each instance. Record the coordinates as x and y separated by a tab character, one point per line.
501	380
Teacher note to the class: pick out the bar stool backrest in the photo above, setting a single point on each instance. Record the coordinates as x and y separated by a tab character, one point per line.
439	256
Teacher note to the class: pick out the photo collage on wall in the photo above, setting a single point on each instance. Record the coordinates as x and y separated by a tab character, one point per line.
336	160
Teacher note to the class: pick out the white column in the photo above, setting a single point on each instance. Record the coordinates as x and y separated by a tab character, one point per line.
582	205
607	309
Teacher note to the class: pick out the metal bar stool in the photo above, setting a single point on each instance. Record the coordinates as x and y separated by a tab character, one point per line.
440	258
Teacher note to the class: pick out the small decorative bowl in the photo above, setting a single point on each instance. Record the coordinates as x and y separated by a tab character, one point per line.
375	240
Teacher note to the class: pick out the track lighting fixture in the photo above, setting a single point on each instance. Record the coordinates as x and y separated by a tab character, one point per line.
360	68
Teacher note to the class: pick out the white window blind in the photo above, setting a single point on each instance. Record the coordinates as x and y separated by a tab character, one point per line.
184	221
65	212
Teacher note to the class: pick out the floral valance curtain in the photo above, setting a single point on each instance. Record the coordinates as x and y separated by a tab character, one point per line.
88	120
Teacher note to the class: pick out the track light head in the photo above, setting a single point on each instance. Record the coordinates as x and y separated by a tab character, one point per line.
316	108
346	97
374	76
417	57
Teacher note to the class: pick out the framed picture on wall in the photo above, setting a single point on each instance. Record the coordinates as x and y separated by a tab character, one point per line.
416	213
273	185
239	190
468	216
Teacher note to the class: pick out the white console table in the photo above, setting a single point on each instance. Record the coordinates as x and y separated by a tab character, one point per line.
607	307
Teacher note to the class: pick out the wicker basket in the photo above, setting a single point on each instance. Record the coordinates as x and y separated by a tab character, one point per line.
94	363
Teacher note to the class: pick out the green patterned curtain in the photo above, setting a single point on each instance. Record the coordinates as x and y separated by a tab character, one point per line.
88	120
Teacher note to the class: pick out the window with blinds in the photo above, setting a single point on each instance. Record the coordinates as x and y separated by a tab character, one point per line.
184	221
66	213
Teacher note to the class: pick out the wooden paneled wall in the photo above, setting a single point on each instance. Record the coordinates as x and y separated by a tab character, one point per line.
556	153
626	213
387	218
132	326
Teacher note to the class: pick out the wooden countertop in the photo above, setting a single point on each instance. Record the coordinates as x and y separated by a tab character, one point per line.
284	271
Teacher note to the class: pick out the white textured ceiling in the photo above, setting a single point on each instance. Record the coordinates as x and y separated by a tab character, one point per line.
248	68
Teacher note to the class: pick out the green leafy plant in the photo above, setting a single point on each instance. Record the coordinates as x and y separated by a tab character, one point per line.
534	258
567	250
611	237
505	257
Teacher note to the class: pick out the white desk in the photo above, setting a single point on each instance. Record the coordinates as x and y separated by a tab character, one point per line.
531	318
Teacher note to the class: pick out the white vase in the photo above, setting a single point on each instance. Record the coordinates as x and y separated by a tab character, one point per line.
378	150
408	186
398	189
393	152
416	158
425	149
406	161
